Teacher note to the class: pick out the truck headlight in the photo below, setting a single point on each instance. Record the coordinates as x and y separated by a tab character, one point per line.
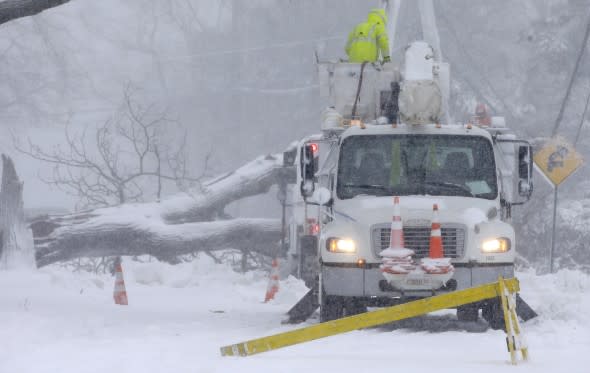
339	245
497	245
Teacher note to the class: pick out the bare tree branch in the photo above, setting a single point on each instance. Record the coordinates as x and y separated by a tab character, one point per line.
116	164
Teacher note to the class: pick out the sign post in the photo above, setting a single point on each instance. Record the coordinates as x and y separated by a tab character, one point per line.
557	160
552	249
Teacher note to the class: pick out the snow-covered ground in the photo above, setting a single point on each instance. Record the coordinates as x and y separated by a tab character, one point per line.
57	321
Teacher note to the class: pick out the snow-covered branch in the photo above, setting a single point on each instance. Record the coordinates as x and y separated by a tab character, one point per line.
255	177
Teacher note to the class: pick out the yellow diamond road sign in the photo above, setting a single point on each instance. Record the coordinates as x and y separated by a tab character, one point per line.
557	160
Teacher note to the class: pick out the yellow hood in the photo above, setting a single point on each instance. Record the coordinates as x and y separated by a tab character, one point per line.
377	16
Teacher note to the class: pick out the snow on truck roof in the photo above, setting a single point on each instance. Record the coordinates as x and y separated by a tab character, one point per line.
422	129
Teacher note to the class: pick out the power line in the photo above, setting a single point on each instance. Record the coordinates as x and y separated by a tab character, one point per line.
253	49
571	82
582	120
483	76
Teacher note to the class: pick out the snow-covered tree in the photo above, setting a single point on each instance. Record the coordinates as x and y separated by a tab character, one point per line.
121	160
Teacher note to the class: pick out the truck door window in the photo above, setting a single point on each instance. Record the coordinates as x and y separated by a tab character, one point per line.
417	165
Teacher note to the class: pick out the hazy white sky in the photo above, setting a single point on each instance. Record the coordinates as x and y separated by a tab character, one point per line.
240	76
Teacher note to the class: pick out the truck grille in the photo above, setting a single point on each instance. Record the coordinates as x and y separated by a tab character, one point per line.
418	239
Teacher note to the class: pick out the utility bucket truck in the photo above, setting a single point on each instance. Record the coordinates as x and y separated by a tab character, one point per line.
385	135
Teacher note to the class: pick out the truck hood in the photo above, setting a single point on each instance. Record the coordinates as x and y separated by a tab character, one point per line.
415	210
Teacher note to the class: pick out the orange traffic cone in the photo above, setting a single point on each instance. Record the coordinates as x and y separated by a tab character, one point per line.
119	293
397	259
436	246
273	282
396	241
436	263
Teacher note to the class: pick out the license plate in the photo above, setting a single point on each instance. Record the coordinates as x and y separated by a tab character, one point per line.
417	281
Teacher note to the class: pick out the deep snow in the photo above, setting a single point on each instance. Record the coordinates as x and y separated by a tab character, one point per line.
56	321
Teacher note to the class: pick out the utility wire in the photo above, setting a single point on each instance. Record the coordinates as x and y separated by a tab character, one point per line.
582	120
572	80
482	75
289	44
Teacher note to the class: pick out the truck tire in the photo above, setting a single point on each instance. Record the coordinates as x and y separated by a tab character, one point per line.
492	313
331	307
354	306
468	313
334	307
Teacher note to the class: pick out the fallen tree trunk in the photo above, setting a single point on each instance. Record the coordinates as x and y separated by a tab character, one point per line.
181	224
96	238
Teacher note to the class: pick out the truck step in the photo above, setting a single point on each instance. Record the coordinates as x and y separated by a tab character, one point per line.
304	308
523	310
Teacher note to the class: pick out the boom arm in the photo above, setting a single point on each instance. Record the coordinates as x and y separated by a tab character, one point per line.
392	8
429	28
427	20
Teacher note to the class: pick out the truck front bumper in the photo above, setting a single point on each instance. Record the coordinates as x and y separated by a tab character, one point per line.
348	280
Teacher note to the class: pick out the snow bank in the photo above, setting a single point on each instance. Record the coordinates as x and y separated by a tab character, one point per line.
53	320
563	296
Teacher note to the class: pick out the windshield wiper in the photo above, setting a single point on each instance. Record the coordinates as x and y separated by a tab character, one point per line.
368	186
463	188
377	187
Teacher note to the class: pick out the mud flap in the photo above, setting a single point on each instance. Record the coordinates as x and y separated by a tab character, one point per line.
304	308
523	310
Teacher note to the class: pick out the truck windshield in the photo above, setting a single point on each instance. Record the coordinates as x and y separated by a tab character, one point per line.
444	165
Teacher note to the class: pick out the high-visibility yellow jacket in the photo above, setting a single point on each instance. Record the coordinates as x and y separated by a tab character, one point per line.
368	39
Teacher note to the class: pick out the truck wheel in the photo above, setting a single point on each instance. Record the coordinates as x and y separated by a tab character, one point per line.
468	313
354	306
331	307
492	313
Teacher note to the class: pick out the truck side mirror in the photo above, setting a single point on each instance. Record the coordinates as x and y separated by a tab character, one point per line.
525	189
321	196
525	171
307	169
516	169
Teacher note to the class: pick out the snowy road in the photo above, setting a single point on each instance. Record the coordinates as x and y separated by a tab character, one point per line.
56	321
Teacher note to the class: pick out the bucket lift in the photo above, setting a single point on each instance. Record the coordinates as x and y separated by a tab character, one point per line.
414	93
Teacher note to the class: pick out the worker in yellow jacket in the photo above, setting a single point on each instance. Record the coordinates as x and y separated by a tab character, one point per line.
368	39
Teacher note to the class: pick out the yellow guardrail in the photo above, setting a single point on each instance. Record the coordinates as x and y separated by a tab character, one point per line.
379	317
